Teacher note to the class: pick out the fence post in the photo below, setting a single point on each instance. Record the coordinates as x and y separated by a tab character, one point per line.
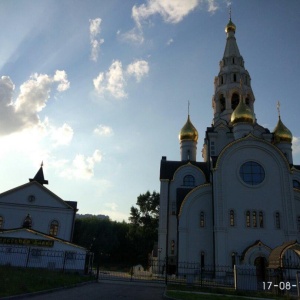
65	255
98	269
27	260
201	275
166	271
131	273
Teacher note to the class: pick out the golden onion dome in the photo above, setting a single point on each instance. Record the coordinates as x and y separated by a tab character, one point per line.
242	113
282	133
188	131
230	26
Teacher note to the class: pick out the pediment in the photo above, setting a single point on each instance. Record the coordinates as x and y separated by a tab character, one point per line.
33	194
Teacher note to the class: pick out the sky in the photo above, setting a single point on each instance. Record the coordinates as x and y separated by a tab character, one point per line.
98	90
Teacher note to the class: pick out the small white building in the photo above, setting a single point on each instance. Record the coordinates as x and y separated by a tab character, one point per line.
242	201
36	228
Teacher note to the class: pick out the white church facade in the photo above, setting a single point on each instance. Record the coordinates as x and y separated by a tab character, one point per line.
36	229
242	202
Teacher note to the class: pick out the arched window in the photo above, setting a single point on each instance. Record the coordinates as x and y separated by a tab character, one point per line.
222	103
261	219
53	228
189	181
231	218
254	219
248	223
235	101
298	223
1	222
202	219
296	184
234	77
202	259
27	223
233	259
277	220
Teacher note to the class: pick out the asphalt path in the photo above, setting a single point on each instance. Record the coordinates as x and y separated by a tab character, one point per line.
106	291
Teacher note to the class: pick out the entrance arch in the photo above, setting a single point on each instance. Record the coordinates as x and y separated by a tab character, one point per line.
282	256
256	254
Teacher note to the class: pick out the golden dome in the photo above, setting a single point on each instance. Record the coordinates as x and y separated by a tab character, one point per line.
242	113
230	26
188	131
282	133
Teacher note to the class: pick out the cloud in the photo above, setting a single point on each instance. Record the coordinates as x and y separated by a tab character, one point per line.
172	11
170	41
62	135
296	145
113	81
103	130
134	35
111	205
138	69
213	6
95	43
61	77
33	96
81	167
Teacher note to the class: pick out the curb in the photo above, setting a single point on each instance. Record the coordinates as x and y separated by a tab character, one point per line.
214	294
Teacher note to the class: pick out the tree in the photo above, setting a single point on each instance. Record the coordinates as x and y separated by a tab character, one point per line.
144	224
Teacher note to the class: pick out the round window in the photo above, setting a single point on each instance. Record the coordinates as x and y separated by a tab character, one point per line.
252	173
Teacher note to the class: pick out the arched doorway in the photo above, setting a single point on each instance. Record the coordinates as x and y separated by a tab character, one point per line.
260	264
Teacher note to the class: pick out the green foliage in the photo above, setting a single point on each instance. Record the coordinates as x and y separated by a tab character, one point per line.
105	238
121	243
143	232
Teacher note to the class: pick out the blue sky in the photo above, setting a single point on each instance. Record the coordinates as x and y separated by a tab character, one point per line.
98	90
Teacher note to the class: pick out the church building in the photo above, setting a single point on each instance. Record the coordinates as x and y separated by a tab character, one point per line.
36	229
241	202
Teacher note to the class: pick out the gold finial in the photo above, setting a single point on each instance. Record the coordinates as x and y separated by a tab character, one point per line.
230	26
278	108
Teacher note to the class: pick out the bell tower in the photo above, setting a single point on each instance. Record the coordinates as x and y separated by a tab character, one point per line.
227	89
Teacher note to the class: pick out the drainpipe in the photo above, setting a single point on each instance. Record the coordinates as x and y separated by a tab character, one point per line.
167	237
212	203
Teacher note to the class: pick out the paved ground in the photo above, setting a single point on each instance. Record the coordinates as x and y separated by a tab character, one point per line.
107	291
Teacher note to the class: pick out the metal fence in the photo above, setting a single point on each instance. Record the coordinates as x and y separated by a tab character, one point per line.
184	273
244	278
34	257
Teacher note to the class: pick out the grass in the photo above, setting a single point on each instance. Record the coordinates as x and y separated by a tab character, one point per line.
15	281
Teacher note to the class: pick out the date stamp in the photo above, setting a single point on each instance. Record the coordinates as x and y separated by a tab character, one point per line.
282	285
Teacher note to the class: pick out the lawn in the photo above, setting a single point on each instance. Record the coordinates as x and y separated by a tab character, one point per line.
15	281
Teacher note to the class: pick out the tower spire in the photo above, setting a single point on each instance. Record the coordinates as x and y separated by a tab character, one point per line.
39	176
278	108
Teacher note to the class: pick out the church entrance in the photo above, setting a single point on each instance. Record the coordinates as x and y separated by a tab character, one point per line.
260	263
